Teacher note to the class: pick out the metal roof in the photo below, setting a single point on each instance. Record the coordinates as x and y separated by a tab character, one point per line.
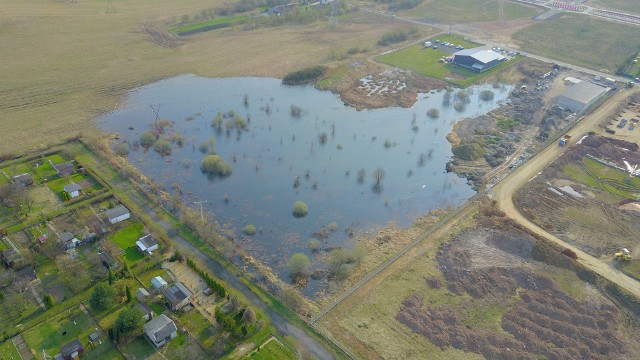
481	54
160	328
584	92
72	187
117	212
176	293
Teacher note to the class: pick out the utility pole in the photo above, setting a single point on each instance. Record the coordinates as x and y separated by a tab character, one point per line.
201	212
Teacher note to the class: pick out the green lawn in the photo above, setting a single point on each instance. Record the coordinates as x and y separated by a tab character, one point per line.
603	172
8	351
56	158
217	21
148	275
425	61
626	5
138	348
43	171
197	325
57	185
132	255
517	11
273	350
157	308
127	236
596	44
17	169
49	335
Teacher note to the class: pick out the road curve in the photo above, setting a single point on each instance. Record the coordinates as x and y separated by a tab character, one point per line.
503	193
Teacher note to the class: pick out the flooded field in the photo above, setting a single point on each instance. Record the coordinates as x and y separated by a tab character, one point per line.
299	144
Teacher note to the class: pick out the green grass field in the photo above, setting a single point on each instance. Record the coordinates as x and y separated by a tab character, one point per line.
425	61
604	172
8	351
595	44
626	5
148	275
272	350
127	236
462	11
57	185
217	21
49	335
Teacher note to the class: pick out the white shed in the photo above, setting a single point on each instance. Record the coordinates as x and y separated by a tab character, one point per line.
158	282
117	214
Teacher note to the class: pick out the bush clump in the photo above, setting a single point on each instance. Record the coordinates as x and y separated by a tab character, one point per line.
162	147
433	113
249	230
471	151
215	165
486	95
300	209
304	76
147	139
397	36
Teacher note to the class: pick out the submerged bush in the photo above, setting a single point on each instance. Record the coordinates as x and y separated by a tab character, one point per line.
163	147
304	76
433	113
147	139
249	230
300	209
215	165
486	95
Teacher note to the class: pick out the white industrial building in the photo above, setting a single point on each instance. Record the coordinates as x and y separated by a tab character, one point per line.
580	96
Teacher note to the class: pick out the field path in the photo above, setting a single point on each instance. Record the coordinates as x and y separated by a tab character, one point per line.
503	192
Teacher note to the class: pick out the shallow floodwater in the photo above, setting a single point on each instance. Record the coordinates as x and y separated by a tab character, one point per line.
278	147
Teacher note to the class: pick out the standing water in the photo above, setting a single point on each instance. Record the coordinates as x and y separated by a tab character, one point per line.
314	157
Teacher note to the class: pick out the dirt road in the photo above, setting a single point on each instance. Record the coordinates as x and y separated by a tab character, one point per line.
504	191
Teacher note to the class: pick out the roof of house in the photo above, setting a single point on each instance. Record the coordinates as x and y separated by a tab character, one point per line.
94	335
144	308
11	255
158	281
72	187
106	256
149	240
160	327
64	168
176	293
480	54
142	291
583	92
70	347
27	273
23	179
117	212
66	236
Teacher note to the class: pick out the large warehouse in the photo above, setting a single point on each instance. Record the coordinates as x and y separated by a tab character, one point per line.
478	59
580	96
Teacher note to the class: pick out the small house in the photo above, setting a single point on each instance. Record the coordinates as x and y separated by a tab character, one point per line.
94	336
147	312
158	283
160	330
73	190
142	294
72	350
42	238
147	244
27	274
69	240
107	259
117	214
63	169
23	180
11	257
178	296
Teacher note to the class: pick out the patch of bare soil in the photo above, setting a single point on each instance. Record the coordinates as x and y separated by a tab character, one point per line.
371	85
587	217
496	267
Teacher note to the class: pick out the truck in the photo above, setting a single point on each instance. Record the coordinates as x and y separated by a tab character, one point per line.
564	140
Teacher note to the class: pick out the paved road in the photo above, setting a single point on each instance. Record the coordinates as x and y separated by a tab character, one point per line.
504	191
280	323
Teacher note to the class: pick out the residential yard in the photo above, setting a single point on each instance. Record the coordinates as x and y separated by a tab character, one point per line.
126	238
65	327
271	350
8	351
139	348
595	44
146	276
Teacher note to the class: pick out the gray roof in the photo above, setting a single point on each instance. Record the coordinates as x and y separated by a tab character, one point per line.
144	308
70	347
23	179
160	327
176	293
64	168
66	236
117	212
72	187
94	336
584	92
149	241
142	291
480	54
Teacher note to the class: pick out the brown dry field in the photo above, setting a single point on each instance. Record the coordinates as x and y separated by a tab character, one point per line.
64	63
